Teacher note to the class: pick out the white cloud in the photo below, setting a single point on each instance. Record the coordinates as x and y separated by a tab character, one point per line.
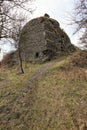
55	8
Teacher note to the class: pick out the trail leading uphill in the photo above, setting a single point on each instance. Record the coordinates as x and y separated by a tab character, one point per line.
52	96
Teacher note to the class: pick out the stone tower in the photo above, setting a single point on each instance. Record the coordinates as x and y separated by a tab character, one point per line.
42	38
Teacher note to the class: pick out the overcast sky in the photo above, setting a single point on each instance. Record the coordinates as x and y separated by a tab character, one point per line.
59	10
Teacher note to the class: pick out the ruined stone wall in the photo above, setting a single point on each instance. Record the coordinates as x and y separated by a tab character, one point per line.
42	38
57	40
33	41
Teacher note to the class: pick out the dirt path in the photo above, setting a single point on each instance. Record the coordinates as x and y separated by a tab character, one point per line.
37	76
41	72
18	110
21	106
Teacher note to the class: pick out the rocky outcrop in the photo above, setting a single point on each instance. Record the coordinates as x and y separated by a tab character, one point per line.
42	38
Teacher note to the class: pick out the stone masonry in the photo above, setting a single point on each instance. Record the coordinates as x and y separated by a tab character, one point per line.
42	39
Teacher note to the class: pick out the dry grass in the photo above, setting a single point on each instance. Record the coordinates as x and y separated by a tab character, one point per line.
57	101
79	59
61	101
11	85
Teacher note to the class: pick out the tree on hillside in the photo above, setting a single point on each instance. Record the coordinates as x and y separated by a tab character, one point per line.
13	15
13	11
80	19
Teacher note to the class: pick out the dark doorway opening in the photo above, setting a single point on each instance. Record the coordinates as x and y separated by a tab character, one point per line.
36	55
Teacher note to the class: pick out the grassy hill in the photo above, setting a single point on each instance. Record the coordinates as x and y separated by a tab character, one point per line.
51	96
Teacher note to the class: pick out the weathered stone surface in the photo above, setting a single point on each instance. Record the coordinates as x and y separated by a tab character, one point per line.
42	38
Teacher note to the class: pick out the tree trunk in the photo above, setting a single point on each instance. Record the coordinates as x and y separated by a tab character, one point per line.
20	60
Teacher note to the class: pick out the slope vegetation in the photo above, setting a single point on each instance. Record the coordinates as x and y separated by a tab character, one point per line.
52	96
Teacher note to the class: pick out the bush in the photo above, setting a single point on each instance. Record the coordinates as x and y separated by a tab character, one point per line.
79	59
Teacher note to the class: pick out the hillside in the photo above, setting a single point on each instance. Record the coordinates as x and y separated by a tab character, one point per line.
50	96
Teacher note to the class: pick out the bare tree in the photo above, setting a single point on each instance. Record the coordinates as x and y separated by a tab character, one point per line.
13	15
10	12
80	19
